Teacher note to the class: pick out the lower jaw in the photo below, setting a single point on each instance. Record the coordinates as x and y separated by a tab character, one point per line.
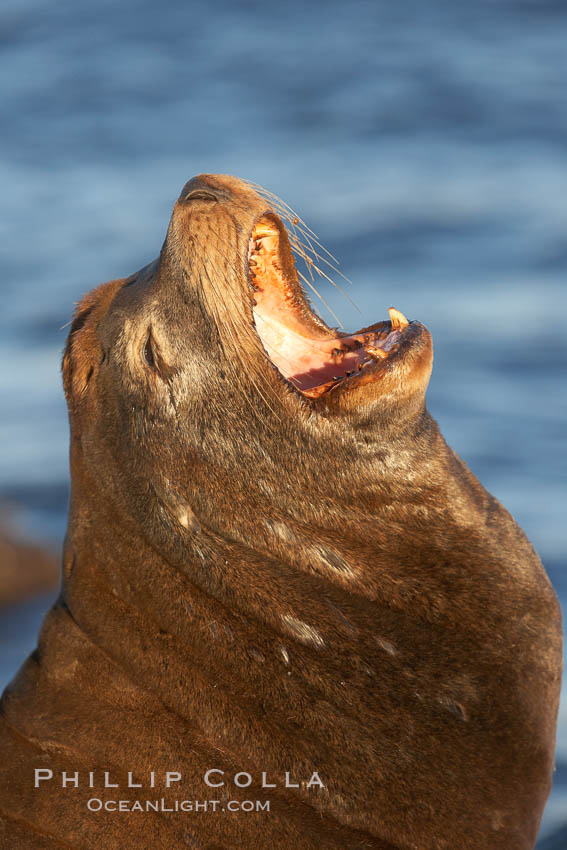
314	366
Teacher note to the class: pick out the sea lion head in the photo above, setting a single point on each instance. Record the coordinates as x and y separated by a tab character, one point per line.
213	355
235	250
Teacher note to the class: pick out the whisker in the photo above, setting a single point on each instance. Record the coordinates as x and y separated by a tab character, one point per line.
318	294
311	238
234	332
336	285
301	239
295	219
331	266
311	265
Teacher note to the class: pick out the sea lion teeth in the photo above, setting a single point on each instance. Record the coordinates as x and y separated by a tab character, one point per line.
398	320
377	353
321	389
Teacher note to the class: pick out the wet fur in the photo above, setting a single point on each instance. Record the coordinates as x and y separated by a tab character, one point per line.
257	582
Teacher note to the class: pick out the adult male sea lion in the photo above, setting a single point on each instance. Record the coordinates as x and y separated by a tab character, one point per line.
279	583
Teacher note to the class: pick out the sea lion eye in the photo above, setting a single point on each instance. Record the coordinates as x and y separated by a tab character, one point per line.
148	351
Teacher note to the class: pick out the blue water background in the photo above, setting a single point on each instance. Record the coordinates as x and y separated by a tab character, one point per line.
424	142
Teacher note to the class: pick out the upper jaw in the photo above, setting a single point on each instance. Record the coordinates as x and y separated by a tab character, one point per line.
315	359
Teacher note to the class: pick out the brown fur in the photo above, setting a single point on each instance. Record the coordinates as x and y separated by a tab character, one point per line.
258	582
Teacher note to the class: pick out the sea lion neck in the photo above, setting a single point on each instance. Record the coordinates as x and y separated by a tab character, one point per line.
241	555
202	514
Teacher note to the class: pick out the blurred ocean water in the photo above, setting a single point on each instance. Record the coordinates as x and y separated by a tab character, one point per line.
424	143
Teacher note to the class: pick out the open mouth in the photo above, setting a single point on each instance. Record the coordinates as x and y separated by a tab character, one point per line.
311	356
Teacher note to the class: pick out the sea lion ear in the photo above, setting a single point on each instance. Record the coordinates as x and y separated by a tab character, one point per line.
76	371
82	350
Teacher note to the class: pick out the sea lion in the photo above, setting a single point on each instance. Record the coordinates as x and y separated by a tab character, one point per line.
279	583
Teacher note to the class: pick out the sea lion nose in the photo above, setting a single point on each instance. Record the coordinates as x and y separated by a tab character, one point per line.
199	189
